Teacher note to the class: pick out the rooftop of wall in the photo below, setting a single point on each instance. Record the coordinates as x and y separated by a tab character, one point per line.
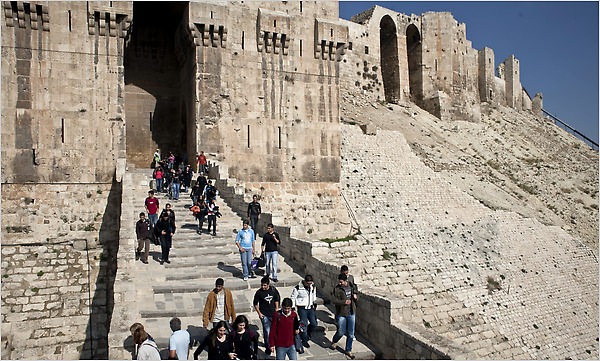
324	9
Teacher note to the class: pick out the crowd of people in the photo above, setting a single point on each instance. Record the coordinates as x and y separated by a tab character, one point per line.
287	325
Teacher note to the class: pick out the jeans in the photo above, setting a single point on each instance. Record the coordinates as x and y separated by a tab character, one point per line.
176	189
165	245
212	220
271	264
266	323
306	316
246	261
253	223
159	183
200	223
281	352
345	325
153	218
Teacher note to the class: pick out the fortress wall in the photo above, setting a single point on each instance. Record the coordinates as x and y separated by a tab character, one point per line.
56	297
271	114
62	116
307	210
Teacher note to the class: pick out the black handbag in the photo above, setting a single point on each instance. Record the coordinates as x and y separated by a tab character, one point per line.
261	260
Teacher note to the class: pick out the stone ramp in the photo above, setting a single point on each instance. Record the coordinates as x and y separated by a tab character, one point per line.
181	287
491	282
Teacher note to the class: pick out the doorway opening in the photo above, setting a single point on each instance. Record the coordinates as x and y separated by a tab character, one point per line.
414	55
389	59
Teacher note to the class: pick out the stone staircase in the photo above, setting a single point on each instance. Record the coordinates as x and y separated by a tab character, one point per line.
179	289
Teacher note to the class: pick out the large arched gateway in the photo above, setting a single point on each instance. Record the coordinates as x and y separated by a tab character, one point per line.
413	49
389	59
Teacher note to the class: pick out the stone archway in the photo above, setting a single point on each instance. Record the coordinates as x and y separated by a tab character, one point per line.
414	55
389	59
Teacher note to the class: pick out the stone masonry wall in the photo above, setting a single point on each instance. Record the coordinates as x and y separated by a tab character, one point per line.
313	210
62	83
56	296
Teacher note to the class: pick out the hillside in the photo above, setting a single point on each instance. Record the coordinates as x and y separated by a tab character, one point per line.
508	161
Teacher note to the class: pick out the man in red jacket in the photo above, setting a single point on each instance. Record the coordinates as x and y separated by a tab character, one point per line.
283	329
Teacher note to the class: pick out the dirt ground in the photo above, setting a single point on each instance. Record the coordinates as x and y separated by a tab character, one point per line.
508	160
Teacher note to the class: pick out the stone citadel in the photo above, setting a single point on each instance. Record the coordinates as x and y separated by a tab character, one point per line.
91	89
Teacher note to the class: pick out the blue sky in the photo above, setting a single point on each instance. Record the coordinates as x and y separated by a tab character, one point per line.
556	43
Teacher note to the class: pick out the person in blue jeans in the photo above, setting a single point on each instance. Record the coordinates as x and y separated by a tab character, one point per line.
344	300
304	296
177	184
270	248
266	303
245	243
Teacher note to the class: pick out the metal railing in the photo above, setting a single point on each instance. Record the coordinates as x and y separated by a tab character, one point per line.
593	144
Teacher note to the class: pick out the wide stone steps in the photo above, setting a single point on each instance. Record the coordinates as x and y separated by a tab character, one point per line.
180	289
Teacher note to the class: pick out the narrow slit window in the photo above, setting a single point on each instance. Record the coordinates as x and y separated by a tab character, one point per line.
350	45
279	136
69	20
211	14
300	6
62	130
248	136
366	50
332	32
275	23
300	47
242	40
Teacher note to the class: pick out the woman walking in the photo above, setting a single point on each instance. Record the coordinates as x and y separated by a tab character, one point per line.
218	343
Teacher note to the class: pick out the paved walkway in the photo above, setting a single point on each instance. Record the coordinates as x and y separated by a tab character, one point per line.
180	288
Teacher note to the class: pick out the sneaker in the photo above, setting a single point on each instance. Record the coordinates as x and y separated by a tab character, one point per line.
214	234
275	280
246	278
137	256
145	262
161	261
333	346
305	344
168	261
350	354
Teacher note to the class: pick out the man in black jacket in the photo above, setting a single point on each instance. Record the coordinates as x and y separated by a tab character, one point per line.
254	212
166	228
143	232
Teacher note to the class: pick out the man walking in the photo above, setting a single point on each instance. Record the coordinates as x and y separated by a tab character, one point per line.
283	329
201	163
254	212
166	227
304	296
245	243
344	300
266	303
179	342
270	248
143	233
219	305
152	205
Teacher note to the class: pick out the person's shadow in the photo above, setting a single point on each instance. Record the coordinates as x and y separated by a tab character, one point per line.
130	346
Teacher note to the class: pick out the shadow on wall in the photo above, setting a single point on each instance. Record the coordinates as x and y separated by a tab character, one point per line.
96	333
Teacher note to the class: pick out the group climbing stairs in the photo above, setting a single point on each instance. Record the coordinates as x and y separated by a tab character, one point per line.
179	289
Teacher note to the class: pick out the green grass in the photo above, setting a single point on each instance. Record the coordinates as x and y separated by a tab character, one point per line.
345	239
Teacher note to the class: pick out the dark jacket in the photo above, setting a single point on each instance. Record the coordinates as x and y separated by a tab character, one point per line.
339	300
142	229
254	209
165	225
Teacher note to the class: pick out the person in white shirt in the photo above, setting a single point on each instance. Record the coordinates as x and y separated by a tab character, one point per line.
179	342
